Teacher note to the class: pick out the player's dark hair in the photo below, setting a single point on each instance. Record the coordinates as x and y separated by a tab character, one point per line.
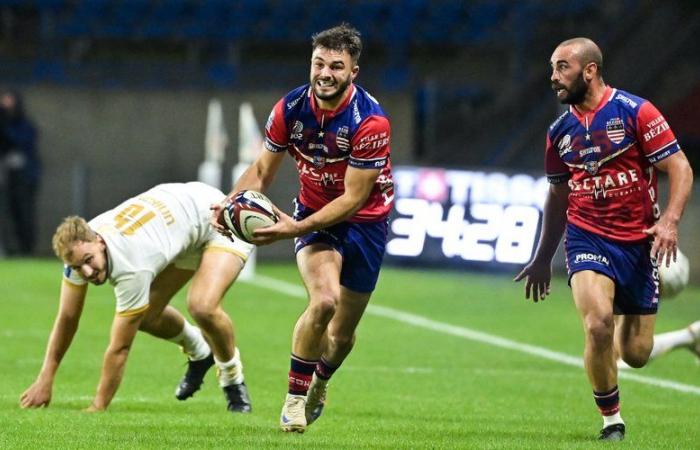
589	52
339	38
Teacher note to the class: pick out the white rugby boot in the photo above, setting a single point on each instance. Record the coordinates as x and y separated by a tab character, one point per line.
316	399
293	417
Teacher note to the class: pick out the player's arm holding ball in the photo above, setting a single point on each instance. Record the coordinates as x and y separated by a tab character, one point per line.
257	177
358	185
64	328
369	143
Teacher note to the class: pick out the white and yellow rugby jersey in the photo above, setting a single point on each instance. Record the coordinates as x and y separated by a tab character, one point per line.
168	224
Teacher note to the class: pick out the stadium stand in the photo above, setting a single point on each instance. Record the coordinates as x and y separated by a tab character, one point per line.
470	66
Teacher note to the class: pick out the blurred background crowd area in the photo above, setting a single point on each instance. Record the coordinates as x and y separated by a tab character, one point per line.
119	88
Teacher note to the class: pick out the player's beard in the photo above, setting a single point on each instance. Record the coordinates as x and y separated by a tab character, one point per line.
340	90
576	93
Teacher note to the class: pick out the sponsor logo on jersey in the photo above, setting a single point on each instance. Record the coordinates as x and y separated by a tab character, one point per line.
270	119
601	184
564	145
328	178
615	129
356	112
297	130
556	122
271	147
662	155
627	100
317	146
589	150
374	141
591	257
655	128
311	174
293	103
386	187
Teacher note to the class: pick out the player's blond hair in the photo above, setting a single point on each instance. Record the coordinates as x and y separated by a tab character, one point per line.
73	229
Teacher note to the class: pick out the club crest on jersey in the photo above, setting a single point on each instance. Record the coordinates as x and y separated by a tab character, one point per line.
591	167
615	129
341	138
319	161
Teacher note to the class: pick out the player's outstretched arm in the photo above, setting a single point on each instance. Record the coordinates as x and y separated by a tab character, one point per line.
538	273
665	231
71	307
124	330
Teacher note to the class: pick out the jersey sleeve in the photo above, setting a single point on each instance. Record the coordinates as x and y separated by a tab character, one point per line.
276	134
132	292
71	277
654	135
557	172
370	144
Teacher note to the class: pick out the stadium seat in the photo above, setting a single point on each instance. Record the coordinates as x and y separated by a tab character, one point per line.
163	20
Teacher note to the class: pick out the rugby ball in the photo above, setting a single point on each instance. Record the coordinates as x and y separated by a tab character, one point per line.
674	278
245	212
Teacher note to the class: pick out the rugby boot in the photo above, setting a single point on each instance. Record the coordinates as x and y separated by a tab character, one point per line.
315	399
194	377
615	432
293	417
237	398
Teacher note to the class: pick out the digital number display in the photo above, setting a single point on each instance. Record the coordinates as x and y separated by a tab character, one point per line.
465	218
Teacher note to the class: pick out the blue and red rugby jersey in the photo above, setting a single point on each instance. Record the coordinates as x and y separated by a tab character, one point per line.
607	157
323	144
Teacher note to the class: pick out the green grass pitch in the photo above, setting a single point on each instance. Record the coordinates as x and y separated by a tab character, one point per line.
404	386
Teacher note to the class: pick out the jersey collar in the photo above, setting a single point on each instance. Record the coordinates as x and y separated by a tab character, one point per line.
607	96
329	114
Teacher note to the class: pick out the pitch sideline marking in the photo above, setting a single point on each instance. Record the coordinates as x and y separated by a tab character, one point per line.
294	290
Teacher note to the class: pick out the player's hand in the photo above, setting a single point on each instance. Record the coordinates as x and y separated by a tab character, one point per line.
538	277
665	233
215	219
285	228
36	396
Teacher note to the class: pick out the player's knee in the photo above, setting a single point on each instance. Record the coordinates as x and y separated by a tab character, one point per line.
202	310
636	357
322	307
599	330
